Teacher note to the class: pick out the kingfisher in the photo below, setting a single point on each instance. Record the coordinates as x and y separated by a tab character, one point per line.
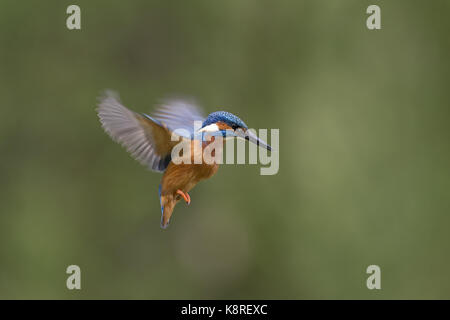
149	139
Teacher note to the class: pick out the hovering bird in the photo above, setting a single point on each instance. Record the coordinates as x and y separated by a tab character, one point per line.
149	140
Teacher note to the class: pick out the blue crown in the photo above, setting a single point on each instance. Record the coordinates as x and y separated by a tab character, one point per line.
225	117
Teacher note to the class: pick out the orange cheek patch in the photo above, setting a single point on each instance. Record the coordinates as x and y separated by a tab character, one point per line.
223	126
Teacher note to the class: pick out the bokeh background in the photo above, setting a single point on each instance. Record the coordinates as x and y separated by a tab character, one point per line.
364	150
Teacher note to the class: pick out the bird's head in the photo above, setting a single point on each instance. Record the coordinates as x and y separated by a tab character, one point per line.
227	124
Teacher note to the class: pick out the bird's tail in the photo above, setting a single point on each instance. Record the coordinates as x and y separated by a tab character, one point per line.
167	205
166	214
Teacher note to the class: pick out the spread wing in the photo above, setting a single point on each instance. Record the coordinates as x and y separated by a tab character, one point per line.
147	138
179	114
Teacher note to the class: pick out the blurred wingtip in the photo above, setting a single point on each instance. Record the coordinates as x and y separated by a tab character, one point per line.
107	94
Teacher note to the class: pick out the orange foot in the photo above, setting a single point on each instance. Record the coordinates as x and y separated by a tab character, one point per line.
185	196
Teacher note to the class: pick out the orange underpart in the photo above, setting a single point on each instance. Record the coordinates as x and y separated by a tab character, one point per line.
222	125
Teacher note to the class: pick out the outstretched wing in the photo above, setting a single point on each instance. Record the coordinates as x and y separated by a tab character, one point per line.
179	114
147	138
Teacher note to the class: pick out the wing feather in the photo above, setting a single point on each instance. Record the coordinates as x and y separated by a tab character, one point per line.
179	114
148	138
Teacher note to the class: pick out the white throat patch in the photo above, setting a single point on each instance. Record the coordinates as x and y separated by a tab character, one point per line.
210	128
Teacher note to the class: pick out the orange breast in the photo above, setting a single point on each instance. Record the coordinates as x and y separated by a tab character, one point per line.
186	176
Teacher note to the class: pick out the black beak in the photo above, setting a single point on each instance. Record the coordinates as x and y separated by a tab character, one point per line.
250	136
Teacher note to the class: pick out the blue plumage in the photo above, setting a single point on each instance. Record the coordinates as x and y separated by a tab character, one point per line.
226	117
160	202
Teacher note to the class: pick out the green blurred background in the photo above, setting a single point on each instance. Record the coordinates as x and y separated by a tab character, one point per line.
364	150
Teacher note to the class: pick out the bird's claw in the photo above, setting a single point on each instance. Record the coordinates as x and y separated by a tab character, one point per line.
185	196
